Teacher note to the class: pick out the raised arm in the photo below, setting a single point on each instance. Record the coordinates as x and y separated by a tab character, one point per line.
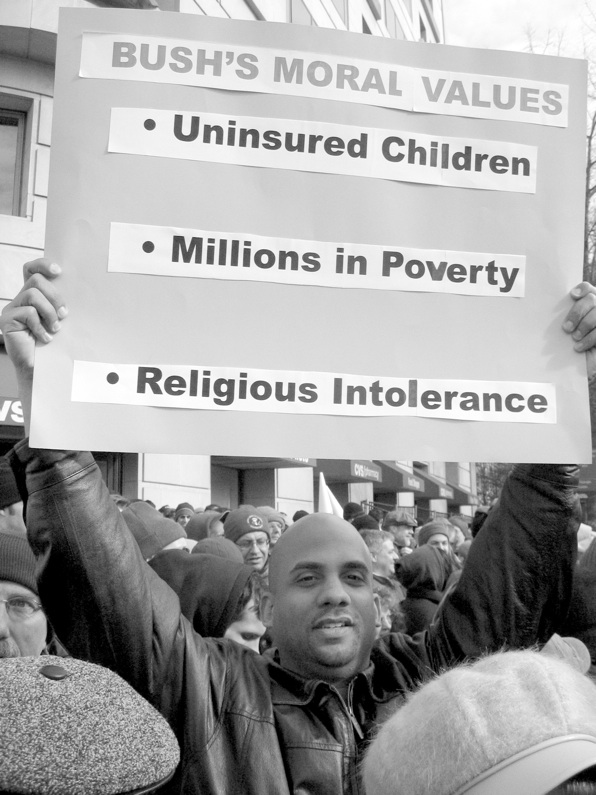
33	316
516	585
515	588
104	602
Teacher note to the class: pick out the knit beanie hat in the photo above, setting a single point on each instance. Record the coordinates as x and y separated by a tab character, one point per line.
352	509
74	728
184	509
513	722
152	531
365	522
17	561
245	520
460	523
200	523
273	515
9	493
430	529
220	547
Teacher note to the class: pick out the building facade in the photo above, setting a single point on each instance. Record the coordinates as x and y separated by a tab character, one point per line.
27	56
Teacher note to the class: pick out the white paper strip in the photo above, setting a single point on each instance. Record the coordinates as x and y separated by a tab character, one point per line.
239	256
289	392
327	148
232	67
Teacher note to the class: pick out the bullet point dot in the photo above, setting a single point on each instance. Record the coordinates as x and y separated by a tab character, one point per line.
148	247
149	124
112	378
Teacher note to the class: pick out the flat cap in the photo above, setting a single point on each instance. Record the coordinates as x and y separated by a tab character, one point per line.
74	728
394	518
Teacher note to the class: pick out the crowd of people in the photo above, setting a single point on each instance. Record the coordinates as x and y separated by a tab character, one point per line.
317	654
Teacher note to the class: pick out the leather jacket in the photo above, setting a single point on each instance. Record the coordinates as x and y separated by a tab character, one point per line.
245	724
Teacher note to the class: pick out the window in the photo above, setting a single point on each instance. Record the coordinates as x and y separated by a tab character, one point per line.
12	137
299	13
375	7
365	28
437	469
393	26
465	475
340	6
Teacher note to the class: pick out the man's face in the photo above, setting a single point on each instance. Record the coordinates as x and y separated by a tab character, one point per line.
439	540
276	529
385	558
255	549
402	534
248	630
321	608
20	635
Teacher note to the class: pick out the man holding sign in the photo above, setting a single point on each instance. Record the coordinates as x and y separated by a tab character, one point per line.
298	721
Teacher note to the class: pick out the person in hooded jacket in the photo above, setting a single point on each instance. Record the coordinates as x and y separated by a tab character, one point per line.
424	575
218	596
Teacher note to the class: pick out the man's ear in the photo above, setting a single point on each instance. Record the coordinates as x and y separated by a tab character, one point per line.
266	609
377	601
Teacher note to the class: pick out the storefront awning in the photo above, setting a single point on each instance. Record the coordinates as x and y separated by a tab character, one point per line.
435	489
398	478
343	471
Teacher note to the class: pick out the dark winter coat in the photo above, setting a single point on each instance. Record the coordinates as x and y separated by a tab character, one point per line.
245	724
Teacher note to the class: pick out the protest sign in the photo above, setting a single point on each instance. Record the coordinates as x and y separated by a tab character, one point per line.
289	241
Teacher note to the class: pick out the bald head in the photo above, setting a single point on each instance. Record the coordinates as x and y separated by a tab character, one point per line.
305	536
321	607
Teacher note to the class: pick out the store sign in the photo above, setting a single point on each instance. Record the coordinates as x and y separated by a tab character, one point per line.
366	470
413	482
11	411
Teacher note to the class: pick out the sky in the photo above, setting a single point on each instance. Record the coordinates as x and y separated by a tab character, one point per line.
564	26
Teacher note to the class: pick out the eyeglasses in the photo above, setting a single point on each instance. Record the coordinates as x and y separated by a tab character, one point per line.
261	543
21	607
